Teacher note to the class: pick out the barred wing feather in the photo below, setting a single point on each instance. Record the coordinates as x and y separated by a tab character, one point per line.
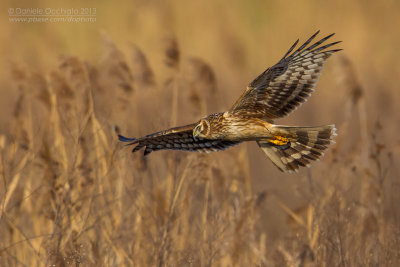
282	88
179	138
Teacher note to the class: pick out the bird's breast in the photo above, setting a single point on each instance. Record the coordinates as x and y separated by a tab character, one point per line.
240	129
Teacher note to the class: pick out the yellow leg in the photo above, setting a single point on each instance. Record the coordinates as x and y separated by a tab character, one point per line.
279	140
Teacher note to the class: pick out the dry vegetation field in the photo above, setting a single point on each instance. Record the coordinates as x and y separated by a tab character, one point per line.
70	194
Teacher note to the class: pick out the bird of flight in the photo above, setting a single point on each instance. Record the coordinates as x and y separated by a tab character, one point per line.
275	93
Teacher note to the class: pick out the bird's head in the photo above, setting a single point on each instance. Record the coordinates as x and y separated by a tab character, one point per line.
202	129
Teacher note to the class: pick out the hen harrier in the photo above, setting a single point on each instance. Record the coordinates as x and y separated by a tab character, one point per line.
273	94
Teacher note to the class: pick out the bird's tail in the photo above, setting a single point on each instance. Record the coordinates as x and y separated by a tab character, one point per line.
292	147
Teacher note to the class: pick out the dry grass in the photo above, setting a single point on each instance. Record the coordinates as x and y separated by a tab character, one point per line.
72	195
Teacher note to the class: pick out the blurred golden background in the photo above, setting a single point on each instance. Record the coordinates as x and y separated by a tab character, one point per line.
71	194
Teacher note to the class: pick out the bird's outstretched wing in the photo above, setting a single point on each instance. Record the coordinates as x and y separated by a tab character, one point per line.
179	138
282	88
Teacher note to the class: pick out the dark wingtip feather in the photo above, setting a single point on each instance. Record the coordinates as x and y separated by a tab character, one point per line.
315	34
138	147
329	36
290	50
125	139
334	50
304	45
147	151
320	42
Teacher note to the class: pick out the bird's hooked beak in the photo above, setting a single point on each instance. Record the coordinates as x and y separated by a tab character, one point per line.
196	131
